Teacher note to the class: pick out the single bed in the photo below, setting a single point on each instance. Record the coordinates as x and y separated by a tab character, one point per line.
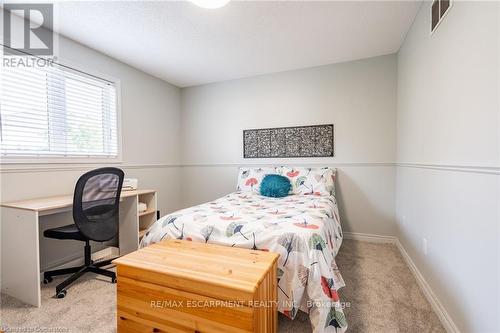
304	229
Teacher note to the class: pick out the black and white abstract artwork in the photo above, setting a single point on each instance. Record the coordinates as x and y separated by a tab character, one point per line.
299	141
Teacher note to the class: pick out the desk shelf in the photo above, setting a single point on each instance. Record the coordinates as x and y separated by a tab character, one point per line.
147	217
142	232
147	212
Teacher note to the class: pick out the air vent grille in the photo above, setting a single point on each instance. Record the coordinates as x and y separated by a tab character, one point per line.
439	9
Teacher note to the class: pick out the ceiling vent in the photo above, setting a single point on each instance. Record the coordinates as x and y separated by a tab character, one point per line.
439	9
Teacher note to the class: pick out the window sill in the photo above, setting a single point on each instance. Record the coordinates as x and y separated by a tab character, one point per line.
43	162
68	167
12	161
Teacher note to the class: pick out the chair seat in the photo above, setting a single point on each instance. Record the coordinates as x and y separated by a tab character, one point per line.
66	232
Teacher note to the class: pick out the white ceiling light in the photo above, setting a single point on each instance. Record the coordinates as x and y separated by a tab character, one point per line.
210	4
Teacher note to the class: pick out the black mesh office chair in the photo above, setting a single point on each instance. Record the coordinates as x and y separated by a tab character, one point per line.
95	212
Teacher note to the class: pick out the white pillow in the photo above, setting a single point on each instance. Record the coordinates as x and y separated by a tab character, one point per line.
313	181
249	179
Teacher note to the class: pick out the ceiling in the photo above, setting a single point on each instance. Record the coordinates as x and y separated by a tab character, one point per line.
187	45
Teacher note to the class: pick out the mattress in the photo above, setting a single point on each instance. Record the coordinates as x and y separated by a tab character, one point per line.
304	229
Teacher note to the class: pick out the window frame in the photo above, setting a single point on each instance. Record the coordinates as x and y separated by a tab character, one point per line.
84	159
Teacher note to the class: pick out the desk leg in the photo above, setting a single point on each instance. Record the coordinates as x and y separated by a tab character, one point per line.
128	234
20	276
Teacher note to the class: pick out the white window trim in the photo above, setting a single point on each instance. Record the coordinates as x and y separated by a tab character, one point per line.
89	159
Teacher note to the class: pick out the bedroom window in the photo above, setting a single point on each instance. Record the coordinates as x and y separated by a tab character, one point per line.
56	112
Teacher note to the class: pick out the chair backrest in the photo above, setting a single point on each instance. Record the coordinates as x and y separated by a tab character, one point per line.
96	203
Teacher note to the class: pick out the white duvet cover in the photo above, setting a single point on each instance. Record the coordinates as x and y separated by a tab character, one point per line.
304	229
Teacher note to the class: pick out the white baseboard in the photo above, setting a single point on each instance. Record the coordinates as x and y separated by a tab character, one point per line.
431	297
429	294
370	238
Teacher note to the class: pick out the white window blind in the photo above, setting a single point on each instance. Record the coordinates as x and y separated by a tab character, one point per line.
56	112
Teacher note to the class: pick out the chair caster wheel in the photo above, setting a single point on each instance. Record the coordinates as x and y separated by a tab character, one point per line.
113	280
61	294
47	280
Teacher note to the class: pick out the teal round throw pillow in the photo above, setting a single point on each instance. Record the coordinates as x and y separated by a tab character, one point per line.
275	186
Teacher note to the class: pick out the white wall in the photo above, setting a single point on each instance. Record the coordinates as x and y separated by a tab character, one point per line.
358	97
150	131
448	147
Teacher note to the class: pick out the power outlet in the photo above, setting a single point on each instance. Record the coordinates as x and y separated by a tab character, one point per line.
425	246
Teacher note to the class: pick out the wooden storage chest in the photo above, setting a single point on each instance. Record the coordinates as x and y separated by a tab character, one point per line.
182	286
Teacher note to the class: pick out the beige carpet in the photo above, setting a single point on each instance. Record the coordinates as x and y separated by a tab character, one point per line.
383	294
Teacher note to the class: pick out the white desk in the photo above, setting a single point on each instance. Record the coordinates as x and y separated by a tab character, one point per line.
20	253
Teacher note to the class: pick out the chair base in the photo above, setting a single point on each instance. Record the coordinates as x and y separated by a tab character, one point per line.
77	272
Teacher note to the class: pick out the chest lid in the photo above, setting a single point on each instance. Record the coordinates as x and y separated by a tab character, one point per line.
217	271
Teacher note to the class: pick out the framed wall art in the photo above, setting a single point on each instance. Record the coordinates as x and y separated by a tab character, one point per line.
298	141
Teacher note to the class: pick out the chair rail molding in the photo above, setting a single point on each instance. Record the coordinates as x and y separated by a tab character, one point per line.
35	167
495	170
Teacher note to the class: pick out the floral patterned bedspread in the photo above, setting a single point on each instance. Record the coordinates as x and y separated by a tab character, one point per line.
304	229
